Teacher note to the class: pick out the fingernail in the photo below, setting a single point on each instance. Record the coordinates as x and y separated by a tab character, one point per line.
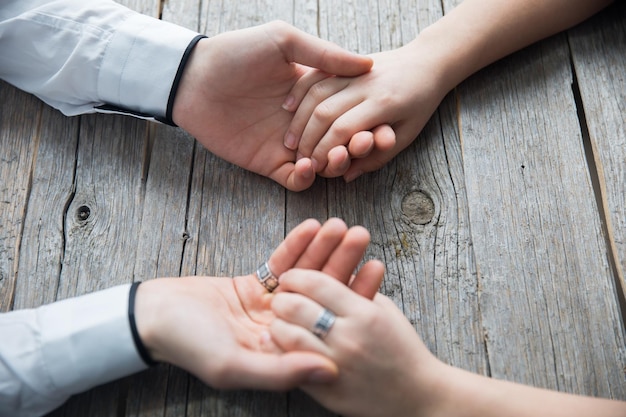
351	176
315	164
289	102
290	141
321	376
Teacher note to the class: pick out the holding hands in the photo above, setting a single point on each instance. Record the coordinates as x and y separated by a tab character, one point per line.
216	327
232	89
392	102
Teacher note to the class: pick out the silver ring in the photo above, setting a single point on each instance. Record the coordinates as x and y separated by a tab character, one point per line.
266	277
323	324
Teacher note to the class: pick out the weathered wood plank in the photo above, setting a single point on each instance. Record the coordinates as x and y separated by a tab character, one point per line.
160	247
538	265
547	302
20	117
598	53
102	224
43	239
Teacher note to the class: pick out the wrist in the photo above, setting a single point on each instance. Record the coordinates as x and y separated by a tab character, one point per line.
147	312
188	82
448	56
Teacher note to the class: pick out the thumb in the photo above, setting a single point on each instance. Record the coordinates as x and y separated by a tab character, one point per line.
306	49
295	177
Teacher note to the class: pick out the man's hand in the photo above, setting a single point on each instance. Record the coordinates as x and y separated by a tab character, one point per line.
232	90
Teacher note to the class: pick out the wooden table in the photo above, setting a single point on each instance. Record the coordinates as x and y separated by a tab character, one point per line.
503	227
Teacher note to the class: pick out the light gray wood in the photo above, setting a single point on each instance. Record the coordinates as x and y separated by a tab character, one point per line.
161	243
43	238
487	224
598	53
100	248
547	298
20	116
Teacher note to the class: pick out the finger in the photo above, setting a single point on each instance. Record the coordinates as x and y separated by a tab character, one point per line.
292	337
375	160
295	177
367	281
361	144
311	77
347	256
314	98
292	103
323	289
303	48
328	114
403	136
384	137
257	370
321	247
295	244
338	162
361	116
296	318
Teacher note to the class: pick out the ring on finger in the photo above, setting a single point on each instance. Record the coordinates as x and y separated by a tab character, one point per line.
266	277
324	323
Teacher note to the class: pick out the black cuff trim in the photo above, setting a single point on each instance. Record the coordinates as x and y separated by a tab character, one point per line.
179	73
141	348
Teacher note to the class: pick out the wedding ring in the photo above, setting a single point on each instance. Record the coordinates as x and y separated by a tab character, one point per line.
266	277
323	324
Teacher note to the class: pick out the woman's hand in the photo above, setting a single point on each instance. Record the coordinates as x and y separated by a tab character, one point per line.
385	108
214	327
384	368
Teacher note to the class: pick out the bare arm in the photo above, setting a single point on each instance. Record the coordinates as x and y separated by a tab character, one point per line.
479	32
386	370
406	85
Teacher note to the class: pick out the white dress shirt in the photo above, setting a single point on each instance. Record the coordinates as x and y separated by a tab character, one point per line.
77	55
49	353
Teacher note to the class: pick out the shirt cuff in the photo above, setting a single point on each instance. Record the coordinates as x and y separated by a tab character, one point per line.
140	64
87	341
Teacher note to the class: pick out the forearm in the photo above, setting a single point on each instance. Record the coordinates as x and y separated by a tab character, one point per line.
78	56
479	32
472	395
57	350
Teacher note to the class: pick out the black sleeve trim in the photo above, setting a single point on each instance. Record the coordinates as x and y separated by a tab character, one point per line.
141	348
179	73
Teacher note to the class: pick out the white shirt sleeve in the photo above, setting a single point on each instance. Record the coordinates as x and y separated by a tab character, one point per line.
57	350
77	55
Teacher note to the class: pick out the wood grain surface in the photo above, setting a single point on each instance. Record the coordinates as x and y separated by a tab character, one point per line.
502	227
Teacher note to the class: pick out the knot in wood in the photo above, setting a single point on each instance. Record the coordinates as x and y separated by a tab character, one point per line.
83	213
418	207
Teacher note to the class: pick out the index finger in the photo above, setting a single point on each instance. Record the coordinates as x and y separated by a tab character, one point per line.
323	289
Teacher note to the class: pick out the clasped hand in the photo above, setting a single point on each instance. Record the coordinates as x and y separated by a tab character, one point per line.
234	85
